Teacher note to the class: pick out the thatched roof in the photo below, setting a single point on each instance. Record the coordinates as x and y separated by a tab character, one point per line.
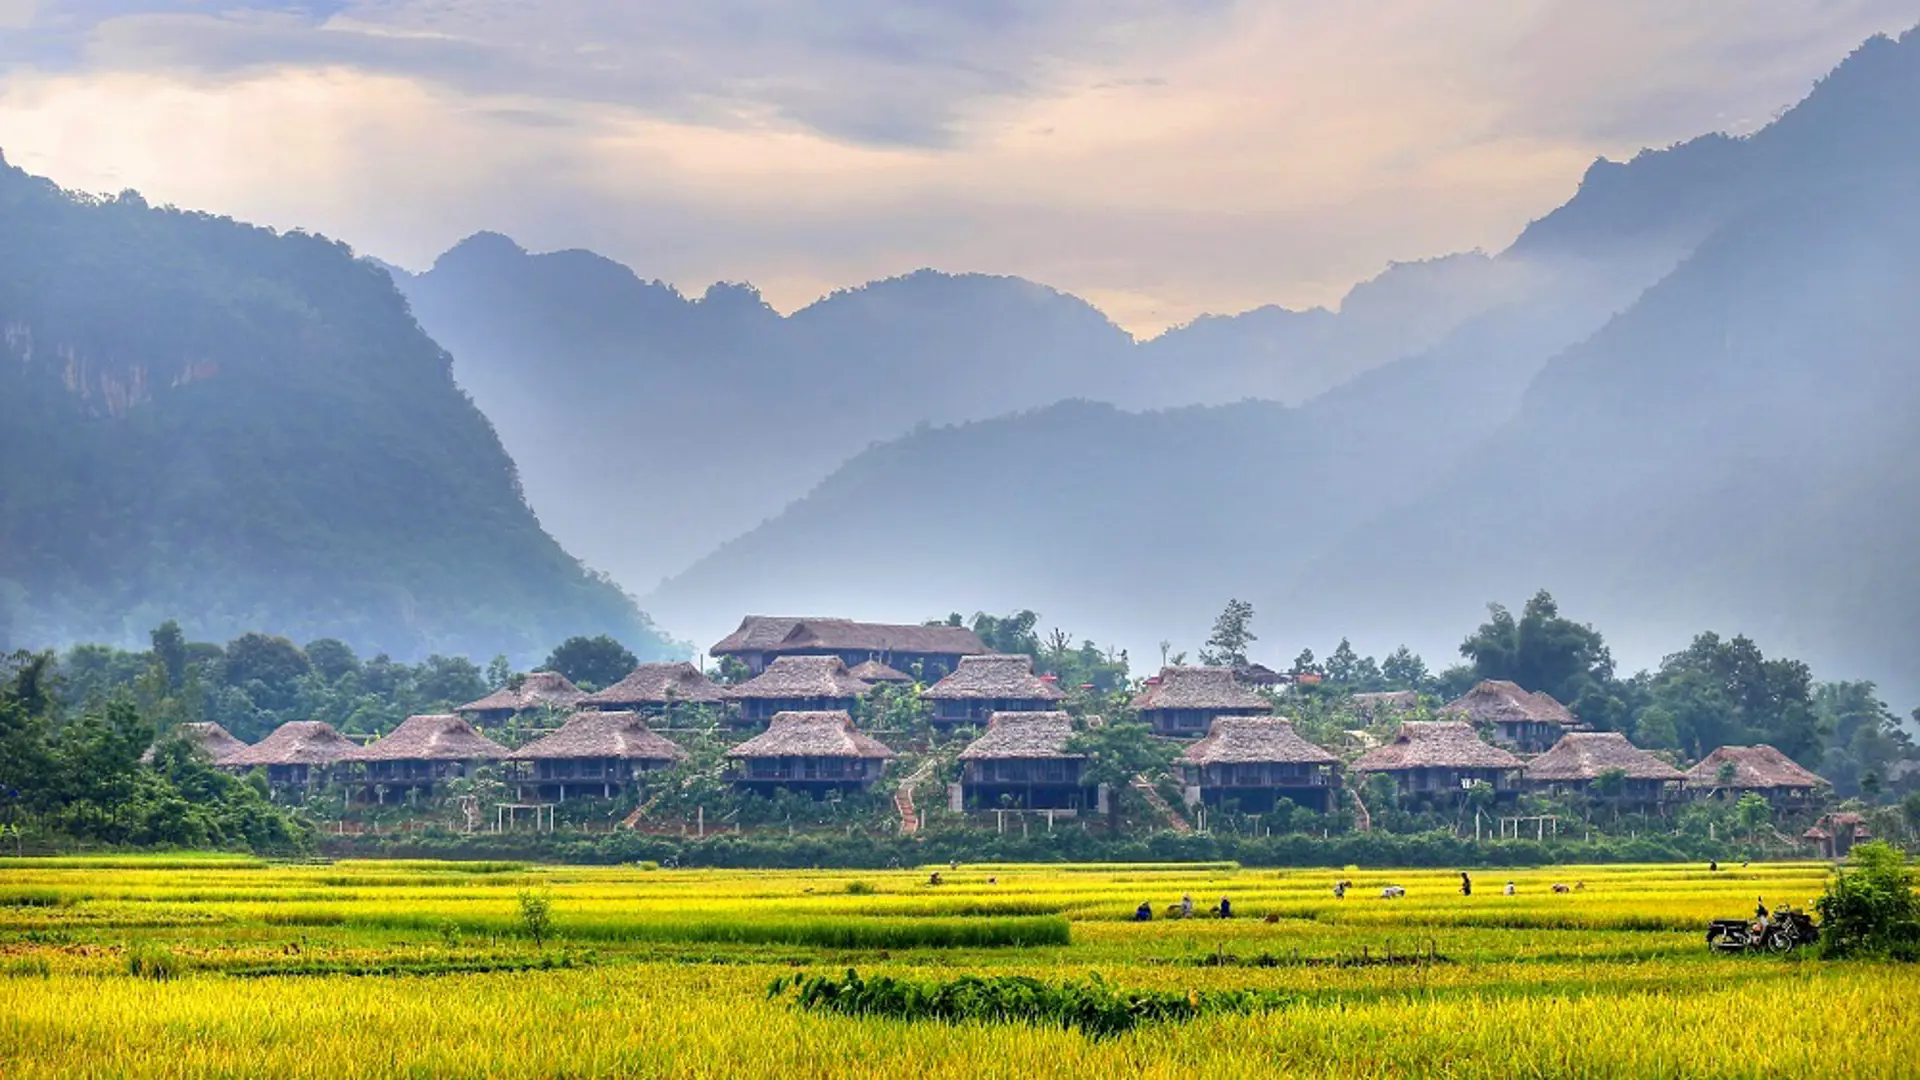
655	685
1496	701
1435	744
206	736
1024	735
1197	688
874	671
601	735
538	690
297	742
786	633
802	677
1385	702
994	677
434	737
811	734
1758	768
1584	755
1233	740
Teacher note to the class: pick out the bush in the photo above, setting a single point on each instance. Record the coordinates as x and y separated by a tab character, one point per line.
1869	908
536	914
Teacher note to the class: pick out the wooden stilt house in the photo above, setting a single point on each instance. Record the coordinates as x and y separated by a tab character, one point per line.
593	755
1185	701
797	684
537	691
656	689
297	755
420	756
984	685
814	752
1582	760
1254	761
1023	761
1439	760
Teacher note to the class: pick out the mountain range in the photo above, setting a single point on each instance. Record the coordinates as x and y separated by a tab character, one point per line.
244	430
1697	414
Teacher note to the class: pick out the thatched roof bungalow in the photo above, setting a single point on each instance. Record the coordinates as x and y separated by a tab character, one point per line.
798	684
206	738
1185	701
1256	761
1835	834
655	688
1440	759
984	685
817	752
1581	758
935	650
1735	770
1523	720
593	754
296	754
1023	760
536	691
877	673
421	754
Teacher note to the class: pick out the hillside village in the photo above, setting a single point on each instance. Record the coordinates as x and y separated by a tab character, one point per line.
899	728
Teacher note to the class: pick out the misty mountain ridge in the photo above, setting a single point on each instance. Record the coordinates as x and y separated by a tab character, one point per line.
551	345
246	430
1686	424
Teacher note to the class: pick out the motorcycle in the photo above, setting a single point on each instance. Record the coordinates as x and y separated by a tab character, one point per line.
1781	932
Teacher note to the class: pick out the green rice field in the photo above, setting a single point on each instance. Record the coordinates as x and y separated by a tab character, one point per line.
235	967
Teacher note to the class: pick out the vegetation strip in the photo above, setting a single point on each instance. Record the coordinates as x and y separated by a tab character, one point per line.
1091	1007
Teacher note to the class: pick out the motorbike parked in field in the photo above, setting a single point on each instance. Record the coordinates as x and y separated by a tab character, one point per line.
1780	931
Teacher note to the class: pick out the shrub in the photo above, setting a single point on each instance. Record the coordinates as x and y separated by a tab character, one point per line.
536	914
1869	907
859	888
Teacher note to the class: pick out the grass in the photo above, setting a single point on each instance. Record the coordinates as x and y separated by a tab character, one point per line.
189	968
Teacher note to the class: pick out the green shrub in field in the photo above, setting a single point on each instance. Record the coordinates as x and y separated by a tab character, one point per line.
34	898
1869	908
536	914
859	888
27	967
1091	1007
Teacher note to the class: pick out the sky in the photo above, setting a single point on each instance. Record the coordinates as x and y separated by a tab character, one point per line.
1161	159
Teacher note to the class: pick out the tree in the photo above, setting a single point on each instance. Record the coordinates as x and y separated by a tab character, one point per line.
332	658
1117	751
1402	670
1304	664
1232	633
1009	634
499	670
170	653
1870	908
596	662
264	658
1751	812
536	914
1720	691
1343	667
1541	651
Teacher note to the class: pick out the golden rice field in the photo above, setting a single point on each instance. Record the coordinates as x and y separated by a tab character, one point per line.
422	969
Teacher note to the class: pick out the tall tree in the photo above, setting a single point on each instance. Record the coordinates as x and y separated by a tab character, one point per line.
1117	751
1402	670
1232	634
596	662
1542	650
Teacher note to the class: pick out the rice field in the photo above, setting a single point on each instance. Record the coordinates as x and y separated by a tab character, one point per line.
231	967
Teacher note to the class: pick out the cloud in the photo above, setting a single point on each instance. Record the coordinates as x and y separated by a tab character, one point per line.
1161	159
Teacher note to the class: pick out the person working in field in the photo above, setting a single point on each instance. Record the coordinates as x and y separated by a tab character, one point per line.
1339	890
1466	884
1225	909
1186	907
1143	913
1509	889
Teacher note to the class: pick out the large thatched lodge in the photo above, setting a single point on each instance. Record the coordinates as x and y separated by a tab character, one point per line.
801	686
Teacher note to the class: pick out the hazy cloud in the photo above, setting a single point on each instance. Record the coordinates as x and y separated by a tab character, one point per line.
1160	158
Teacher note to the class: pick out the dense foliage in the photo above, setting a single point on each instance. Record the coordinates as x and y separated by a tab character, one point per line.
81	775
1870	907
199	416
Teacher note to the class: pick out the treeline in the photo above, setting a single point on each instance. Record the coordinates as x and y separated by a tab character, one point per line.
1714	692
88	776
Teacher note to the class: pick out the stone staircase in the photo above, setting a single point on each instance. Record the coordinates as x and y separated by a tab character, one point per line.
903	796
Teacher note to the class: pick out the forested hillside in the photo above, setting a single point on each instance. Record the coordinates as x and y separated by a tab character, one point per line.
1732	450
240	429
